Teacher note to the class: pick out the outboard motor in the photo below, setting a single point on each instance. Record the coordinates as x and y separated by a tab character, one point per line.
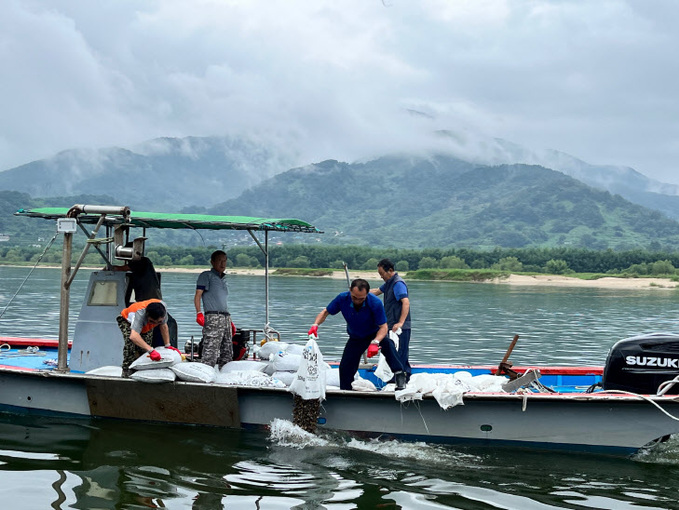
641	363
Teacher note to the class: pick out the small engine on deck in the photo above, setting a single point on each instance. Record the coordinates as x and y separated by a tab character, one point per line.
241	345
642	363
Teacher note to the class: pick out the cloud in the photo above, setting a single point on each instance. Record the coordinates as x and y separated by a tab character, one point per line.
342	79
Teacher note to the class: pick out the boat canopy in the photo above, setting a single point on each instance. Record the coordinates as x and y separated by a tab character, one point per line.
121	218
178	221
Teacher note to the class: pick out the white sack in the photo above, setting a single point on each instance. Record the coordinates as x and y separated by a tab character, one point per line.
287	362
110	371
285	377
241	365
488	383
362	385
168	357
159	375
408	393
295	349
448	389
383	371
269	368
271	347
248	378
309	382
192	371
332	377
448	395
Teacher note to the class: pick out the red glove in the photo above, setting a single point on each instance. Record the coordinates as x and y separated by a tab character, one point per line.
313	330
173	349
154	355
233	329
373	349
200	319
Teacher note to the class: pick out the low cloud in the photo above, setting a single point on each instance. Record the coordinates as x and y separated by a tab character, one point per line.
343	80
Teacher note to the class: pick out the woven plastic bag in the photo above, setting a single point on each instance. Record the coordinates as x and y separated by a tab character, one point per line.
383	371
309	381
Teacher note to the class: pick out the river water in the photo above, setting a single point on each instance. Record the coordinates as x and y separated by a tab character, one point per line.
58	463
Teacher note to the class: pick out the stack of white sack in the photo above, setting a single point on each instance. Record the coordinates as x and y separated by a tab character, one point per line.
147	370
170	368
269	348
284	360
193	371
247	373
448	389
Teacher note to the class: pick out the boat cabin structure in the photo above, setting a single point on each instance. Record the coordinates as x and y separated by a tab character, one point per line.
119	235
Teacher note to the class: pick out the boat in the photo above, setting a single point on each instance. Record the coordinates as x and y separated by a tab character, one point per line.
628	404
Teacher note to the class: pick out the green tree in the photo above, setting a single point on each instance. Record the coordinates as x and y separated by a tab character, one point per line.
300	261
369	264
508	264
638	269
165	260
453	262
186	260
662	267
242	260
428	263
402	265
557	266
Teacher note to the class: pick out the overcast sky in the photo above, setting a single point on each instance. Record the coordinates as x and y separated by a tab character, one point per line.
342	79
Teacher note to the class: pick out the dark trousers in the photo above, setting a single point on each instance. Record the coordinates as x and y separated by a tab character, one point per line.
158	337
130	350
351	358
403	345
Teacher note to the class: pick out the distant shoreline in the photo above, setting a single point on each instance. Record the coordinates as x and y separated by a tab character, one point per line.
609	282
539	280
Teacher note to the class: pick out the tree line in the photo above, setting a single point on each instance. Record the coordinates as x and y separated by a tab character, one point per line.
534	260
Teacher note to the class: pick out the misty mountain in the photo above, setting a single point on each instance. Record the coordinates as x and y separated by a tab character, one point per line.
619	180
194	173
440	201
476	199
161	174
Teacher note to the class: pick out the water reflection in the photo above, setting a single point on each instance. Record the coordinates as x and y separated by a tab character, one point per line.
110	464
107	464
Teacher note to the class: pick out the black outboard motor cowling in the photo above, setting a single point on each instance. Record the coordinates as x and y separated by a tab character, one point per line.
641	363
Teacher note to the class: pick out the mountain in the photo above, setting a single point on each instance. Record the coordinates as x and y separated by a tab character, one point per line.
21	231
619	180
193	173
494	193
156	175
441	201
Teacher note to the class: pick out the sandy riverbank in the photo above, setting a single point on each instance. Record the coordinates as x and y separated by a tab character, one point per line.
515	279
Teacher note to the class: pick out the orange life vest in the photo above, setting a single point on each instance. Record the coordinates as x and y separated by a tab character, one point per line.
139	305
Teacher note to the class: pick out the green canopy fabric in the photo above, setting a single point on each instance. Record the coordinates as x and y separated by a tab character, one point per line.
180	221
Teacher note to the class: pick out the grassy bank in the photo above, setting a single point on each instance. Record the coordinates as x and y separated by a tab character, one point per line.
457	275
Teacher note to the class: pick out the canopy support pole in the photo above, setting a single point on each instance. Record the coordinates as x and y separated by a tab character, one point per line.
265	251
266	273
104	256
62	356
92	236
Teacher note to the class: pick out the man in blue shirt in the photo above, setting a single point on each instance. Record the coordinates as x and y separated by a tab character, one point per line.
397	307
366	326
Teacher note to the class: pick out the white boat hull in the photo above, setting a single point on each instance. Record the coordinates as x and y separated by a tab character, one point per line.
597	422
